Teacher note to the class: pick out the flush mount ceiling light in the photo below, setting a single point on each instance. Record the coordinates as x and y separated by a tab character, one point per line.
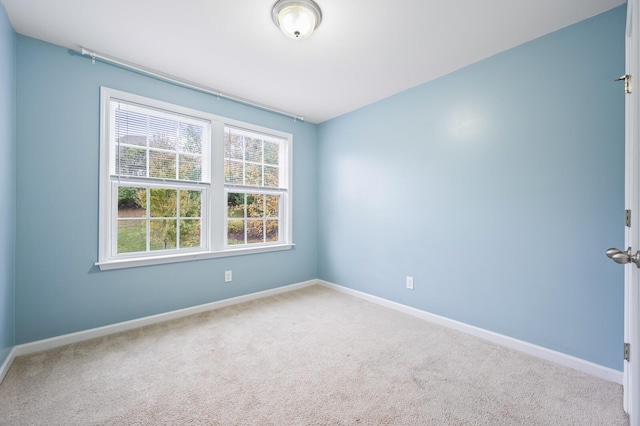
296	18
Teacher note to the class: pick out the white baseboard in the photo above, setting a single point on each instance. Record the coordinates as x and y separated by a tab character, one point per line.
65	339
500	339
519	345
4	368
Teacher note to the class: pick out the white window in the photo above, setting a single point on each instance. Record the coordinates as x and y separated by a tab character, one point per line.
178	184
255	185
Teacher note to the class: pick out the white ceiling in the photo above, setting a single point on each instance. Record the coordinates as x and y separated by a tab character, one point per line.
364	50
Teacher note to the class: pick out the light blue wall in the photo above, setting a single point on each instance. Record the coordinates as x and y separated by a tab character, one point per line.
58	290
498	187
7	183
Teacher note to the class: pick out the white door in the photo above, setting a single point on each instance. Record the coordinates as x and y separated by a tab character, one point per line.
632	201
631	382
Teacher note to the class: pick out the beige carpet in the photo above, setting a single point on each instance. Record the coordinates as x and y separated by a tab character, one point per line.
309	357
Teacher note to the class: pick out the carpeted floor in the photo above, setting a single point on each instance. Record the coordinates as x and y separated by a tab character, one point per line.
308	357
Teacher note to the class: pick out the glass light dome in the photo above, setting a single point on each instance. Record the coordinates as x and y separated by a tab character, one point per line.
296	18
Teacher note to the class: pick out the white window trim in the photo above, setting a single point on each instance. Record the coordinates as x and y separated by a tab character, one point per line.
215	208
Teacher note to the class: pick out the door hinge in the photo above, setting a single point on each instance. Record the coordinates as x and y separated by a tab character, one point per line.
627	82
627	352
627	218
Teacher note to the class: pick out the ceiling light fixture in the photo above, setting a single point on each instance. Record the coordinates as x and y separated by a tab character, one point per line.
296	18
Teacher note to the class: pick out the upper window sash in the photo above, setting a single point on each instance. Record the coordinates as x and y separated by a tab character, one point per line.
253	159
147	142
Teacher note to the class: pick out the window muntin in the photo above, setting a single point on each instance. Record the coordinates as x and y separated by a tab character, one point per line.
256	187
170	177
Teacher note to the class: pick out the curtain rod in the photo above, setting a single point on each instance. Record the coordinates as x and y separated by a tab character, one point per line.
179	82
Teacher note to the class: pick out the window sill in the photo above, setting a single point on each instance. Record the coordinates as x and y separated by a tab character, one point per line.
185	257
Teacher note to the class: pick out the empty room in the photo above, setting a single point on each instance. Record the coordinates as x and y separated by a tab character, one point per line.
297	212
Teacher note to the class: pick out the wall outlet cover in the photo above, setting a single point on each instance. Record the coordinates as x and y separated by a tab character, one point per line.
410	283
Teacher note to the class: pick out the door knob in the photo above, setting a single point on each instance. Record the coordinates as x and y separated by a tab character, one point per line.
611	252
624	257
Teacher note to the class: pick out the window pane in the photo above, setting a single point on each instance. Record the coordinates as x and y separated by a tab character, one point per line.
233	146
132	236
253	150
272	231
271	176
271	153
140	140
131	161
190	233
235	205
190	203
131	126
253	174
255	205
255	231
235	232
163	234
190	167
162	164
163	202
190	138
163	141
272	205
163	132
233	172
132	201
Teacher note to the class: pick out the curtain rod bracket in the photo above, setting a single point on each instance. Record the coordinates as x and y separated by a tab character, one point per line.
86	52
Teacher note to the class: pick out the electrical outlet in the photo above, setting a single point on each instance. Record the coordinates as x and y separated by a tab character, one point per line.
410	283
228	276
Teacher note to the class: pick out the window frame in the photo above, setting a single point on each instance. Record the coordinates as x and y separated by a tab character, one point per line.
214	208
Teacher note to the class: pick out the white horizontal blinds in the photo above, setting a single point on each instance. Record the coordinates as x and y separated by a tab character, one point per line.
155	144
255	186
